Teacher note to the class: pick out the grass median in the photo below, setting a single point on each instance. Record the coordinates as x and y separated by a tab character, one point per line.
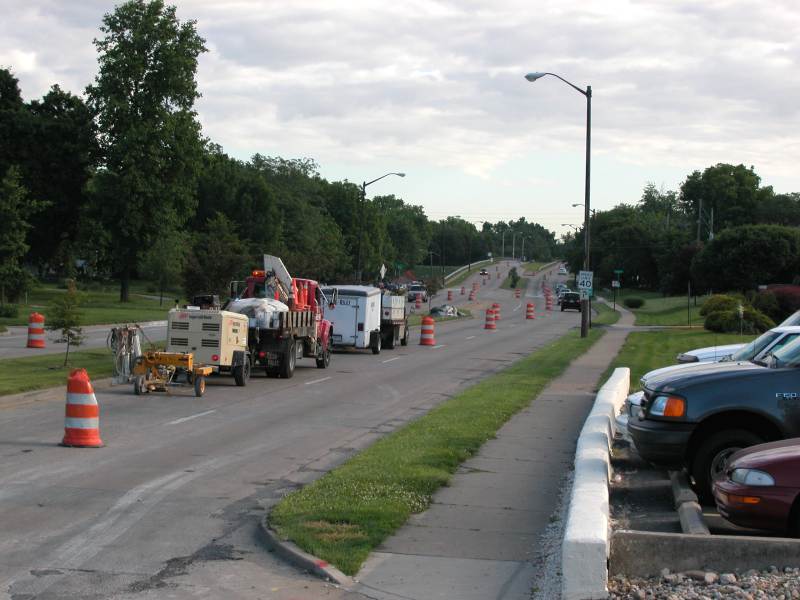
522	283
644	351
664	310
605	314
341	517
416	319
40	372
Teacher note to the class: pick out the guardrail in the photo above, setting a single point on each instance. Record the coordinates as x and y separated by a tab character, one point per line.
460	270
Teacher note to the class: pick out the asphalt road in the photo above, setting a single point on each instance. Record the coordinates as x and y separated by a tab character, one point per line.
169	507
13	345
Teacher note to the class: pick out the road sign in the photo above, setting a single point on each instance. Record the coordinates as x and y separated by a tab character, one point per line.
585	280
618	271
383	271
586	294
615	284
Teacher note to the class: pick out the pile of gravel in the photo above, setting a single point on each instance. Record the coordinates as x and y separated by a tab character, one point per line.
707	585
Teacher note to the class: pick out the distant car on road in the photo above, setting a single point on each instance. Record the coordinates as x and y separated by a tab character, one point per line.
415	289
760	486
484	272
562	270
571	300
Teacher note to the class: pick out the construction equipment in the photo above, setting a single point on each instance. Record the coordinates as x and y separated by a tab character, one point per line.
126	345
157	371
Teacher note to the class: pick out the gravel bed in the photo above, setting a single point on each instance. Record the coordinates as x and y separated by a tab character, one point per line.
773	583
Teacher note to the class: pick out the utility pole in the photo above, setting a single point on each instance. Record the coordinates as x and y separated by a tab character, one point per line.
699	219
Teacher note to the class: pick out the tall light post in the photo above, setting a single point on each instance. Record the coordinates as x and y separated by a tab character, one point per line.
361	218
575	227
513	245
522	253
587	93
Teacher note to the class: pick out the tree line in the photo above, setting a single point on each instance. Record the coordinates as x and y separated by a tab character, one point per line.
722	230
121	183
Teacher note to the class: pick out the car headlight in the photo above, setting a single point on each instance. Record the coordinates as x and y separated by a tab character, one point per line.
751	477
668	406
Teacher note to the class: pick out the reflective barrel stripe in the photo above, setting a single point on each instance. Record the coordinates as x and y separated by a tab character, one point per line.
76	423
76	398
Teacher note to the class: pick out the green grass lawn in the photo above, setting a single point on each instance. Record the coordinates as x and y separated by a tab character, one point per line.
533	267
40	372
522	283
605	314
647	350
341	517
660	310
98	307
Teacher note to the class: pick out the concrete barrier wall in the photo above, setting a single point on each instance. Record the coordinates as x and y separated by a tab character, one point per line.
585	549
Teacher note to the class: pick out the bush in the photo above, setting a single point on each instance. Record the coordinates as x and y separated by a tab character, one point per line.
727	321
513	277
634	302
788	298
9	311
719	302
767	303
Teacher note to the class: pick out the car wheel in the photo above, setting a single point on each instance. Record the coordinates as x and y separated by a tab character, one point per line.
712	456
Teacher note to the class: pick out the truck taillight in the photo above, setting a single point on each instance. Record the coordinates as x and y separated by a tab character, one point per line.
361	327
262	354
215	357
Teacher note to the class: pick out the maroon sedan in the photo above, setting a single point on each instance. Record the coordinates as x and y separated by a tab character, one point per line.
760	487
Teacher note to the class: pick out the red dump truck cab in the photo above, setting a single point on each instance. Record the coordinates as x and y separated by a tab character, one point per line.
289	322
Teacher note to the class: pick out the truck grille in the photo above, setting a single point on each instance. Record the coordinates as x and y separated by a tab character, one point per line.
210	326
180	325
209	343
178	341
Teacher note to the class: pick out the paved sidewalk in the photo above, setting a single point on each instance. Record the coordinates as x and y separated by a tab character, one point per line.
479	538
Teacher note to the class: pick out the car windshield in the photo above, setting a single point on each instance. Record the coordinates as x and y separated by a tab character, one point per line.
791	320
754	348
788	356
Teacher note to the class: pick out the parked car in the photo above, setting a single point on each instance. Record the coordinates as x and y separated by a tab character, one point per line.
417	288
571	300
760	487
698	416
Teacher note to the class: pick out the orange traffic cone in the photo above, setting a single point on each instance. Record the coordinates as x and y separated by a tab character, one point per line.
36	330
418	301
462	290
496	310
471	297
427	337
530	312
518	293
490	324
449	295
82	423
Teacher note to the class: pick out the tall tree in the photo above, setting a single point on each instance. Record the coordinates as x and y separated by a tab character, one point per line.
143	97
14	208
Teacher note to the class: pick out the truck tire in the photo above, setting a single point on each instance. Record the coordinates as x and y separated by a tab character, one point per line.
712	455
289	360
376	343
199	386
324	361
241	373
404	340
393	335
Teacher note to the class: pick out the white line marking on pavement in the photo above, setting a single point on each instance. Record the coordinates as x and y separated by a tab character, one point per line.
317	381
471	337
391	359
518	307
439	346
190	417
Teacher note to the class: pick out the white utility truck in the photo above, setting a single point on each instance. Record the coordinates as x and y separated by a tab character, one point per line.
356	317
394	320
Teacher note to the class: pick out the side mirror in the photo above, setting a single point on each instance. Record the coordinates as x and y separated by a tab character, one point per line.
332	305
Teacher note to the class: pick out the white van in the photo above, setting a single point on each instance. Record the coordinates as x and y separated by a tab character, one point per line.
356	318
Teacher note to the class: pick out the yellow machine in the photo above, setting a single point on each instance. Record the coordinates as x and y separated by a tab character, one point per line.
156	371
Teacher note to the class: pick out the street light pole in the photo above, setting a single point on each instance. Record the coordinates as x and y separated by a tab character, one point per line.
587	93
361	219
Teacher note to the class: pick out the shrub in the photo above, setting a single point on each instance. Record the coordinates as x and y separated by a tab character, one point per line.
9	311
634	302
719	302
767	303
788	298
727	321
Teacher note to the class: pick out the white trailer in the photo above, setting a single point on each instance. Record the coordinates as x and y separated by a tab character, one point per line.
356	319
394	320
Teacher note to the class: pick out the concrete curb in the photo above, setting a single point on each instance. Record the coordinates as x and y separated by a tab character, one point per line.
292	554
585	549
690	512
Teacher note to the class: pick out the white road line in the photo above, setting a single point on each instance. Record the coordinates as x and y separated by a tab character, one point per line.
471	337
391	359
317	381
190	417
439	346
517	308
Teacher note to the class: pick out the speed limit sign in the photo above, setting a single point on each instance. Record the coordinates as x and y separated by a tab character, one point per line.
584	281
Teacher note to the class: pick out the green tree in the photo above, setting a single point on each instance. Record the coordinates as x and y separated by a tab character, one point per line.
15	209
65	317
143	98
216	258
164	260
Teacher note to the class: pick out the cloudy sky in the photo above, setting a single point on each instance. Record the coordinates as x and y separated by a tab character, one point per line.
436	89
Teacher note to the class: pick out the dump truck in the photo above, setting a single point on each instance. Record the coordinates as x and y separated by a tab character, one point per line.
286	318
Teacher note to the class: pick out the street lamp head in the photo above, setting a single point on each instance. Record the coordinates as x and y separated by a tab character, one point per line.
400	174
578	204
534	76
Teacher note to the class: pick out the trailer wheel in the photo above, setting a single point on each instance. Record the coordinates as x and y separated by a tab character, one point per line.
199	386
376	344
324	361
138	385
241	373
289	360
